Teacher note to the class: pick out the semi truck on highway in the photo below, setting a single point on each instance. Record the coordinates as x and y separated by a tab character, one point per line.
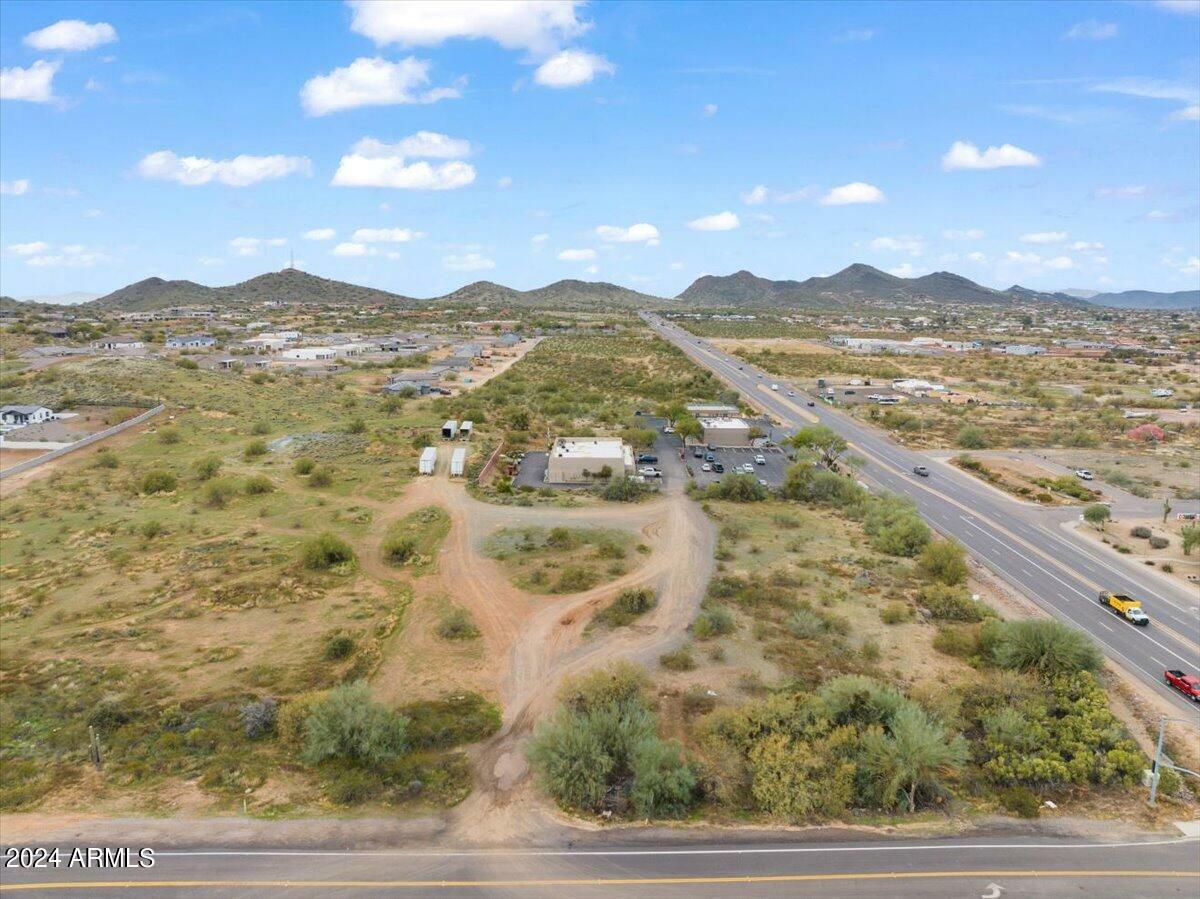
1126	606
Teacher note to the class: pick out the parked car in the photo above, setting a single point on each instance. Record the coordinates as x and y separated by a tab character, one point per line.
1083	474
698	453
650	472
706	467
718	467
762	482
709	457
1187	684
921	470
760	459
647	457
668	430
747	468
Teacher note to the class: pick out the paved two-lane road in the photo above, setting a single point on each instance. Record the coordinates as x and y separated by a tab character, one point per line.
1024	545
987	868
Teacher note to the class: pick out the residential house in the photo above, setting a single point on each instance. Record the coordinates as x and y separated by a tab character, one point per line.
190	341
123	342
20	416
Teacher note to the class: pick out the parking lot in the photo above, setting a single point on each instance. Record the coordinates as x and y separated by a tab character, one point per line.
734	457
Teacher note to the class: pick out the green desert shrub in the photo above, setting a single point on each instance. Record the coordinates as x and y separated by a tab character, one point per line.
346	724
303	465
325	551
258	484
255	448
455	624
338	647
1041	646
321	476
206	467
398	550
952	604
626	608
944	561
157	481
713	621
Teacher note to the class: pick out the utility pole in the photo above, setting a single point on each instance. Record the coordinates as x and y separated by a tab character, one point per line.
1161	762
94	747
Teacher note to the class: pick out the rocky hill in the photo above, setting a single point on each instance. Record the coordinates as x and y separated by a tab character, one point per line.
1149	299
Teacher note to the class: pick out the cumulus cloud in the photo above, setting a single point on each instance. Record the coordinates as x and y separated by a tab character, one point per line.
977	256
1044	237
903	270
854	192
1087	246
33	85
372	163
351	249
760	194
1091	30
571	68
537	26
14	188
709	110
1035	262
385	235
963	234
320	234
905	243
964	155
241	171
718	221
71	34
756	195
1187	114
253	246
28	249
577	255
539	239
467	262
373	82
642	232
1191	267
38	255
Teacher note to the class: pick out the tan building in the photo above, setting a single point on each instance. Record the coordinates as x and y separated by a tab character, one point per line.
725	431
579	460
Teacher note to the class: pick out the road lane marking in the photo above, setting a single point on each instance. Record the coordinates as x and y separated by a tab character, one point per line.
588	881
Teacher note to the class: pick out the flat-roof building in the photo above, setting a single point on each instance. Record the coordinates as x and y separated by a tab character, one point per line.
725	431
578	460
713	410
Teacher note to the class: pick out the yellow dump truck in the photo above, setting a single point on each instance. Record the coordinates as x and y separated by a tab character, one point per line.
1126	606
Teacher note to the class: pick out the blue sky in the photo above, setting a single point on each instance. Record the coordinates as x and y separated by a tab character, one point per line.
417	148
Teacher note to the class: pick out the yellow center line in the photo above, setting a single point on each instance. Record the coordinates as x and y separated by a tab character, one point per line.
578	882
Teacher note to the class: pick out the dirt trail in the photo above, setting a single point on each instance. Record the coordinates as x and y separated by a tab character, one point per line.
533	642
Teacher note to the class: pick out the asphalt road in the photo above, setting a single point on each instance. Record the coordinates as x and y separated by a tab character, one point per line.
933	868
1024	545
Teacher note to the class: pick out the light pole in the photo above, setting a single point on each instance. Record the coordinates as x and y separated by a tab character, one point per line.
1160	762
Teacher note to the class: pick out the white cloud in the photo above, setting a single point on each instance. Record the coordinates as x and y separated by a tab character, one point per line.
642	232
28	249
210	260
1036	263
571	68
71	256
372	163
963	234
1091	30
718	221
1085	246
709	110
93	213
905	243
241	171
1148	89
854	192
854	35
372	81
504	182
252	246
71	34
34	84
385	235
592	270
14	188
1191	267
1127	192
964	155
468	262
675	266
320	234
756	195
352	249
577	255
977	256
1187	114
538	239
537	26
903	270
1044	237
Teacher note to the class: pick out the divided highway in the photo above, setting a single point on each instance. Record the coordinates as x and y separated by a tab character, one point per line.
1022	544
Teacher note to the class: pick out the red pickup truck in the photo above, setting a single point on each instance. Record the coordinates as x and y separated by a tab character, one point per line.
1187	684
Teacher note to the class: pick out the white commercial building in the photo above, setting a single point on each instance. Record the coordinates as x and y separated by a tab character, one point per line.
309	354
725	431
578	460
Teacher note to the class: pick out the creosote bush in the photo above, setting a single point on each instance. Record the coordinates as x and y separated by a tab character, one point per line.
303	465
325	551
456	624
626	608
157	481
255	448
346	724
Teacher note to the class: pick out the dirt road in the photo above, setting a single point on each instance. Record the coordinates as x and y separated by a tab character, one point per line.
531	642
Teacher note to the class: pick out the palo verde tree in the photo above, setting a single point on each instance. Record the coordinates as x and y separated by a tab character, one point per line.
822	440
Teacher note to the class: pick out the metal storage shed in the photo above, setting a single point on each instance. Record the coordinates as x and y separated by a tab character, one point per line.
458	462
428	460
450	430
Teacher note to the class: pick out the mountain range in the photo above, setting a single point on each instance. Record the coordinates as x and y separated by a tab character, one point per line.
852	286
